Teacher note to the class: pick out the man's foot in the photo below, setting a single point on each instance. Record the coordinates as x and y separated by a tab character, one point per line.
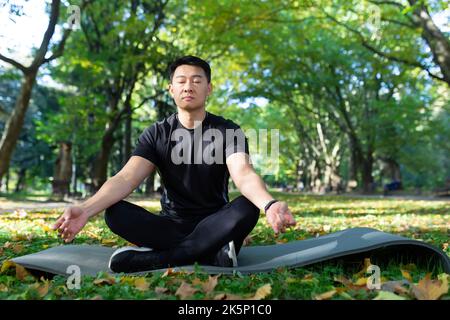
134	259
226	257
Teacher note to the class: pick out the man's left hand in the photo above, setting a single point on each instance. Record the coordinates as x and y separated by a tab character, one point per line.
280	217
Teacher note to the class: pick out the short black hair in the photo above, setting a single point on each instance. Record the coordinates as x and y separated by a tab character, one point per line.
192	61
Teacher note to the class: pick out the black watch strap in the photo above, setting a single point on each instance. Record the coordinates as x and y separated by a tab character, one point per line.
271	202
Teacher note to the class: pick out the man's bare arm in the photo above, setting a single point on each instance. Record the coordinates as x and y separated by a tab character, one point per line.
247	180
113	190
119	186
254	189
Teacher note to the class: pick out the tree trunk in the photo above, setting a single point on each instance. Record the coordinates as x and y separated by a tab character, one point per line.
14	124
354	164
299	184
100	167
366	173
21	180
439	44
63	171
121	161
127	135
150	184
4	115
391	169
74	173
7	181
101	162
15	121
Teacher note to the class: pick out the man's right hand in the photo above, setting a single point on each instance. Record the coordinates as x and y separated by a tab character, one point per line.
71	222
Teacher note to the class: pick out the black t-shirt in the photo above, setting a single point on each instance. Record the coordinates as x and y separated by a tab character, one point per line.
192	164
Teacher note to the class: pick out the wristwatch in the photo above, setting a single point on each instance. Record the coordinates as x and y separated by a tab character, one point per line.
271	202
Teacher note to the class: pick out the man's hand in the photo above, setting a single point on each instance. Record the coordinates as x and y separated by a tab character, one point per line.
71	222
280	217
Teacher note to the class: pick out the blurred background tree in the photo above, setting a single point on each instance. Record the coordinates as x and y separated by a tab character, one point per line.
359	90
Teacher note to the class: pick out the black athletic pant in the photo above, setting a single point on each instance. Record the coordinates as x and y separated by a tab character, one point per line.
181	243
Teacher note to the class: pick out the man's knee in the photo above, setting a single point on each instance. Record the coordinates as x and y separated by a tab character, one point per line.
246	209
113	214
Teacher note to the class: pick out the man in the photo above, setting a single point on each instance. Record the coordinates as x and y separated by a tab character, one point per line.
197	221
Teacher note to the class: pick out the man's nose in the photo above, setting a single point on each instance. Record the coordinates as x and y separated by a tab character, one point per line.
187	88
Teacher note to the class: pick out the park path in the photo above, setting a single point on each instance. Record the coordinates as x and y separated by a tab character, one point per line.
11	205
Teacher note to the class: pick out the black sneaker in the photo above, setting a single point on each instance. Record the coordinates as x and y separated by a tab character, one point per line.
134	259
226	257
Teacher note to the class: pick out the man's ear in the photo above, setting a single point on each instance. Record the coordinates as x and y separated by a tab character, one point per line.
210	88
170	89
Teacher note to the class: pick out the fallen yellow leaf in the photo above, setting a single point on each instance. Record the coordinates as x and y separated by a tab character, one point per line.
109	241
22	237
185	290
41	288
169	272
307	278
44	227
363	271
408	267
160	290
141	284
7	264
7	245
361	282
406	275
92	234
293	280
262	292
106	280
428	289
60	290
209	285
21	272
348	284
127	280
326	295
386	295
17	248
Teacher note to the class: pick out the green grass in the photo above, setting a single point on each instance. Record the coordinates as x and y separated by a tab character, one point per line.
26	196
316	215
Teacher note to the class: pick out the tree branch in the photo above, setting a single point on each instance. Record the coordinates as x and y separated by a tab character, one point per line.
392	3
3	113
393	58
275	20
40	54
14	63
60	47
380	53
404	24
157	94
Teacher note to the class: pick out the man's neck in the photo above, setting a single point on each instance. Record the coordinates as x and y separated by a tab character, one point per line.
188	117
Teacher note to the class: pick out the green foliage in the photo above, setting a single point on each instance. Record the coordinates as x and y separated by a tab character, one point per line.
287	65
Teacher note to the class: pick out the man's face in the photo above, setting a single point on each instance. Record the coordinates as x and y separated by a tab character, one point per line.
189	87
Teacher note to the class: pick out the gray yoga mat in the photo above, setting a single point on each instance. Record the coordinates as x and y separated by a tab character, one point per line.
253	259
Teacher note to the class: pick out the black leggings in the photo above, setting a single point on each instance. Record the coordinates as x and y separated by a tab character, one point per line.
181	243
